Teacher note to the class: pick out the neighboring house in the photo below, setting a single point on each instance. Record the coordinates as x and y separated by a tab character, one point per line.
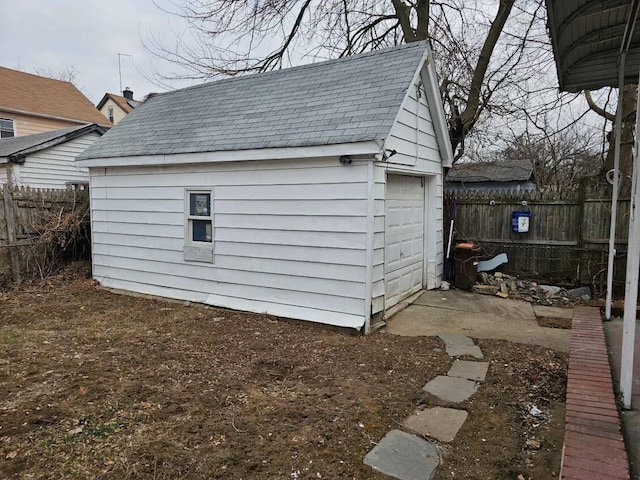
32	104
312	192
116	107
512	175
47	160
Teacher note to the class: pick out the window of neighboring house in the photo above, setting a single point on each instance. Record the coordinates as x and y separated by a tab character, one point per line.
110	110
199	226
6	128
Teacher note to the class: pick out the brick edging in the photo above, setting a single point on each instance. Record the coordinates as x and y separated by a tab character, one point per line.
593	443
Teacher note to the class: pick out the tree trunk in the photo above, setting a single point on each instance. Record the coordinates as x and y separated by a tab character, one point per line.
629	97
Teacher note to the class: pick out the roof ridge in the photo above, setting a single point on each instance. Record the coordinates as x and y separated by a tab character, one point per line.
36	75
421	44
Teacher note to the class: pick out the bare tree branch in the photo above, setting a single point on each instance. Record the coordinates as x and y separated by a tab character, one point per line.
600	111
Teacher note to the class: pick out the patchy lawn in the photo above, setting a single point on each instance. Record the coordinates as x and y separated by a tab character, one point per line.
97	385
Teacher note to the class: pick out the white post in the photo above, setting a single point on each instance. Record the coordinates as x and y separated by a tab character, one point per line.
614	194
631	284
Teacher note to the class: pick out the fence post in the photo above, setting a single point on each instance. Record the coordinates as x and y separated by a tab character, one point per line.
12	234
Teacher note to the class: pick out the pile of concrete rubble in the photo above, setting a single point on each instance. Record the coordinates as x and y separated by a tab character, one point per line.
507	286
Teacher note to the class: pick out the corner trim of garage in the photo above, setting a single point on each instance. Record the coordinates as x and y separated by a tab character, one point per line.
401	305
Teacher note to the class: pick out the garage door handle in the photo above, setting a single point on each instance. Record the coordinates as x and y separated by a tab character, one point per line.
401	254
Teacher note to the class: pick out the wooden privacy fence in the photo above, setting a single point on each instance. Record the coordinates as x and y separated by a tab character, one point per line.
567	240
39	229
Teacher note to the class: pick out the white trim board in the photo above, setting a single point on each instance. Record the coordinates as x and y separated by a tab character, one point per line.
358	148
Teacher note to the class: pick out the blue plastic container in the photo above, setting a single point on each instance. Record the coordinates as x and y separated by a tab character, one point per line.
520	222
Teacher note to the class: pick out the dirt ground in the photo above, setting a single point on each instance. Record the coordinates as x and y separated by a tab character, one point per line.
98	385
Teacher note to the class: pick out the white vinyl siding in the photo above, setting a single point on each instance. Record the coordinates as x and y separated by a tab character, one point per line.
54	167
290	237
3	173
414	113
407	130
378	289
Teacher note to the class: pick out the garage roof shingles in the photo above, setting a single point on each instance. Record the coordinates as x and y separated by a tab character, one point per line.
347	100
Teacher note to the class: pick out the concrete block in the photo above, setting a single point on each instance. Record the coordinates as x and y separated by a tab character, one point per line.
469	370
461	350
485	289
455	339
451	389
438	422
404	456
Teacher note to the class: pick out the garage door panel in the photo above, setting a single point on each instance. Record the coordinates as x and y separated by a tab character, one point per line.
404	237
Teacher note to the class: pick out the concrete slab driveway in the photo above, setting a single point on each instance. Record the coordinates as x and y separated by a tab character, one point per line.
477	316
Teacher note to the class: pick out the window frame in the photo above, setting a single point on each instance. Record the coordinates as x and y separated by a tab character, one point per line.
13	127
110	114
194	250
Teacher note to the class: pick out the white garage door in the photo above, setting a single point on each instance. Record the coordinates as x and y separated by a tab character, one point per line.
404	237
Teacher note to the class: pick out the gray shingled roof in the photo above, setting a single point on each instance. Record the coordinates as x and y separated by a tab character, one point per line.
347	100
501	171
16	145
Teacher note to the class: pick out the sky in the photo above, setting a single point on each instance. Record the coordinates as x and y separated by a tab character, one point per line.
87	35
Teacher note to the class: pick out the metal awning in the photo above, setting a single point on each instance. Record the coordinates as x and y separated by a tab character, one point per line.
587	38
596	43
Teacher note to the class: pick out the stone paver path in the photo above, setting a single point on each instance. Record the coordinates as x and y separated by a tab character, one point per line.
451	389
406	456
437	422
462	350
469	370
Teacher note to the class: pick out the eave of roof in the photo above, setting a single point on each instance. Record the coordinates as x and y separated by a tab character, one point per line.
119	100
15	149
502	171
587	38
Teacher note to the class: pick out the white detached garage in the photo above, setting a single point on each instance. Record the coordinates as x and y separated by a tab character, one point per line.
312	193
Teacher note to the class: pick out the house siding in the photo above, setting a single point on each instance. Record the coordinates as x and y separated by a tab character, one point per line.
413	125
29	125
290	237
54	167
118	113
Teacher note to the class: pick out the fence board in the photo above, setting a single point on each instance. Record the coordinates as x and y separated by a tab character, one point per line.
567	240
21	209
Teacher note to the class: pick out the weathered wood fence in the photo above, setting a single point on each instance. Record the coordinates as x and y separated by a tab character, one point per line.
567	240
35	227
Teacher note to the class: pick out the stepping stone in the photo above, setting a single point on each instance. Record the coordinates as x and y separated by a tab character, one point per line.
469	370
455	339
451	389
404	456
437	422
461	350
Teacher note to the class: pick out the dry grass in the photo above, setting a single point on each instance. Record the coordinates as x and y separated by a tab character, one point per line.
97	385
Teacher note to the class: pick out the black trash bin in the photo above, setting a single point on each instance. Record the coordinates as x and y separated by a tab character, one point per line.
466	260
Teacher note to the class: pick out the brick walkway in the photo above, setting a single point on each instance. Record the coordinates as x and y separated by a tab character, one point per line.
593	443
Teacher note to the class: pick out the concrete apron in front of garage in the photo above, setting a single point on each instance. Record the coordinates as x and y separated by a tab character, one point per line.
479	316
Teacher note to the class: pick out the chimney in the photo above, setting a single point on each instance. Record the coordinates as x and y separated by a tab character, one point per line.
127	93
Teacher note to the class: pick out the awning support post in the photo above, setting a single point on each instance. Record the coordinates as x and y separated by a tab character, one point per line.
616	187
631	283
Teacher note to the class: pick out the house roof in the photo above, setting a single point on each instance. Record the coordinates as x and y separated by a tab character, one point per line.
18	147
125	104
31	94
352	99
587	38
500	171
